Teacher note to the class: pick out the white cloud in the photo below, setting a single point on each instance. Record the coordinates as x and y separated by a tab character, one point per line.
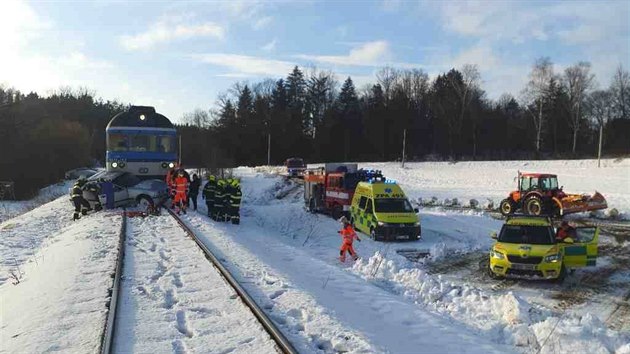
166	31
270	46
246	66
367	54
262	22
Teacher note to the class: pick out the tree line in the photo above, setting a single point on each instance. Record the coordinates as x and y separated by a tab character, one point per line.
311	115
43	137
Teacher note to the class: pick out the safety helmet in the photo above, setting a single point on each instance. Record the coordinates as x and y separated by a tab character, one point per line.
180	172
235	183
212	178
344	220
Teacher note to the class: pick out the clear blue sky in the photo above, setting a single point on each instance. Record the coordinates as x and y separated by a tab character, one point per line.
178	56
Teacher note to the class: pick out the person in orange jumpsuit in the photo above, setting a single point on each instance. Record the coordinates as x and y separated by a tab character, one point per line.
170	183
348	235
181	189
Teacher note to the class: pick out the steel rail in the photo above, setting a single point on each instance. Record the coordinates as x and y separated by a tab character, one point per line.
281	341
107	337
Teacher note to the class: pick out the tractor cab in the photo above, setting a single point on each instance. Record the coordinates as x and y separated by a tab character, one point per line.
538	181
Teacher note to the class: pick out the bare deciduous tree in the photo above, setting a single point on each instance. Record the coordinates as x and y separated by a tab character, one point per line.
536	93
465	90
620	89
387	78
578	81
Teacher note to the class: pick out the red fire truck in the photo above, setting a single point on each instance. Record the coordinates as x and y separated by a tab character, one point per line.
330	189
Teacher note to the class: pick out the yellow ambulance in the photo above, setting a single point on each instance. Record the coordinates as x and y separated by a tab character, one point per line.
381	209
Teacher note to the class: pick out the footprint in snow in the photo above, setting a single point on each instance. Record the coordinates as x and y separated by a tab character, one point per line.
182	324
276	294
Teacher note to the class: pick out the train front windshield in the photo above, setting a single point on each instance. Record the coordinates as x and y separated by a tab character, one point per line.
141	143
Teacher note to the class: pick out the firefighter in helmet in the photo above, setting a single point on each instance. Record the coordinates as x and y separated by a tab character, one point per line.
209	194
81	205
219	205
235	201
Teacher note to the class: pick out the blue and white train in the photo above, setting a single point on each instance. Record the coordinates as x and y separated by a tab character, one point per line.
142	142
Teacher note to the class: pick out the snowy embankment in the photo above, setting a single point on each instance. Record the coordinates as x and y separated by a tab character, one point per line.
505	317
174	300
288	260
483	180
64	271
10	208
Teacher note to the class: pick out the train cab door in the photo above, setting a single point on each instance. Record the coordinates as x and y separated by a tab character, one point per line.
583	251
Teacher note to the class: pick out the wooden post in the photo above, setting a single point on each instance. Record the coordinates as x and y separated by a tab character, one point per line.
403	147
269	149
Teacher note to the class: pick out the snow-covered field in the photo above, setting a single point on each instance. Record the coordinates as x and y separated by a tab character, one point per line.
287	259
11	208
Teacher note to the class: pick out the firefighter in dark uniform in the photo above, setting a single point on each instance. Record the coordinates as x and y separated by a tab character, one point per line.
209	194
81	206
235	202
227	200
219	209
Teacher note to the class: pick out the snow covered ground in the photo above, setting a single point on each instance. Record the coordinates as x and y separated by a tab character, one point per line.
64	272
494	180
13	208
174	300
287	259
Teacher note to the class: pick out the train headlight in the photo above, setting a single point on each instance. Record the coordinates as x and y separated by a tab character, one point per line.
122	164
171	165
164	165
114	164
142	117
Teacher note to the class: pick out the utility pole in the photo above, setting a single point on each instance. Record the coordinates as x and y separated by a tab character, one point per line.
269	149
180	150
403	148
599	152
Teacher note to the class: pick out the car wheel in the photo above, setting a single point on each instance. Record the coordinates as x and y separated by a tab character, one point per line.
534	206
145	203
506	207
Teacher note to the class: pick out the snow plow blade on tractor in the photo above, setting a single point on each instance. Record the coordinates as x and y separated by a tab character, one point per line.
539	194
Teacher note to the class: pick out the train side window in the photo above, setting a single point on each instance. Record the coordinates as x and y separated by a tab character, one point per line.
362	202
117	142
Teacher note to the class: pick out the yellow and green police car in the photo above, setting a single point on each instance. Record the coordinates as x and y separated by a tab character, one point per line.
527	247
381	209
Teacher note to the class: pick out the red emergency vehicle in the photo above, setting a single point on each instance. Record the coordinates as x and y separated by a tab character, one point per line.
330	189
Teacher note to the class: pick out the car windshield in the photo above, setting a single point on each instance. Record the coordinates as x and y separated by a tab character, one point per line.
535	235
393	205
126	180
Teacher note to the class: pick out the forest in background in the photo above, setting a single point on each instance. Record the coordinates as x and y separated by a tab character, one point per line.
311	114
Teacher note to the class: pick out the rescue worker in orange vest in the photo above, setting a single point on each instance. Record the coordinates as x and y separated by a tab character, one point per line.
170	183
348	235
181	189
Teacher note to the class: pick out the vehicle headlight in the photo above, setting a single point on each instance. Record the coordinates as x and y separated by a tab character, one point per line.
552	258
380	223
417	223
497	255
171	165
164	165
114	164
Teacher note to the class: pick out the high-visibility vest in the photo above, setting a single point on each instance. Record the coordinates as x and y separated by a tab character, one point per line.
77	191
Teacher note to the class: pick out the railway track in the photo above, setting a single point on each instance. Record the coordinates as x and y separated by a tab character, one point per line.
108	336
